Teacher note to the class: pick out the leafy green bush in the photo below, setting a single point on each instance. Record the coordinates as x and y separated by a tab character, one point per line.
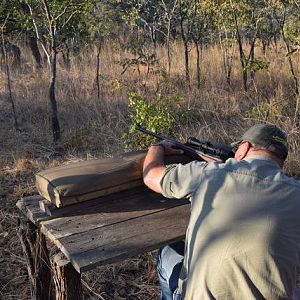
256	65
158	115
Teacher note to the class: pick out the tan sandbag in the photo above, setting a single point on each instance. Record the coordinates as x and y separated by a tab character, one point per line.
81	181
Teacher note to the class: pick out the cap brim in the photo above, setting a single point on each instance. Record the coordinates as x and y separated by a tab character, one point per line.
235	145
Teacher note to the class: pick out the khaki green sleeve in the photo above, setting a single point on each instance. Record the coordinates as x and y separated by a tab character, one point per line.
179	180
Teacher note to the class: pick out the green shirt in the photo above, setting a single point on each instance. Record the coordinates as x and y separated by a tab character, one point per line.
243	238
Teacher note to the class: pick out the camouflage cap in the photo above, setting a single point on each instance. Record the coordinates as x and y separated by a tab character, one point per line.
268	137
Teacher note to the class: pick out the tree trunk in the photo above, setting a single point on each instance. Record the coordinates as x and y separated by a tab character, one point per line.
292	70
243	59
32	41
186	53
153	37
54	118
295	78
245	80
169	16
37	258
67	280
52	61
169	50
66	56
287	46
251	59
198	67
264	47
7	71
98	70
227	58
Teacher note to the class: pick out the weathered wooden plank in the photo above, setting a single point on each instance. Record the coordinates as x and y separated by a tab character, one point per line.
29	206
47	207
125	239
111	228
117	209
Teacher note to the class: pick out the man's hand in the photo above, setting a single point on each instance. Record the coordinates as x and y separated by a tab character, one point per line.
153	168
169	148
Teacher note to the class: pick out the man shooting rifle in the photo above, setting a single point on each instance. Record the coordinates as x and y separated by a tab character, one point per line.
243	238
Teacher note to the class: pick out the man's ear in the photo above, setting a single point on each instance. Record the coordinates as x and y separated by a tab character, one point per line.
242	151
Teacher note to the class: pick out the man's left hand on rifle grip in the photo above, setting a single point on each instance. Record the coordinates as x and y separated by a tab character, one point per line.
169	148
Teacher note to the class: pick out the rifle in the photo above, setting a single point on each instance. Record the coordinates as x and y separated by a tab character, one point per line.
196	149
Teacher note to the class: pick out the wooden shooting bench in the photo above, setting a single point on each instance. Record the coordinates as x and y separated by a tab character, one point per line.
92	233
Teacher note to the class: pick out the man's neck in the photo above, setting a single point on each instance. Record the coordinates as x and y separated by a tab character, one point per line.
266	154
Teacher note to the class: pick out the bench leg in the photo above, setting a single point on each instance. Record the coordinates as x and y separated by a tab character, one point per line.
37	259
66	279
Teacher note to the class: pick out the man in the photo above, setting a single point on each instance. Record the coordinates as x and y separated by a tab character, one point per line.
243	238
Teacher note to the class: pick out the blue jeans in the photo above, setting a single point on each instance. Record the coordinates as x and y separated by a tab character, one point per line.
169	264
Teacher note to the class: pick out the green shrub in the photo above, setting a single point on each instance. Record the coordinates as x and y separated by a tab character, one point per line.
158	115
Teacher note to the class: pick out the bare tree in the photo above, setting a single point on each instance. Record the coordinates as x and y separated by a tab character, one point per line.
200	27
244	59
248	19
228	51
185	13
288	48
64	16
7	71
169	14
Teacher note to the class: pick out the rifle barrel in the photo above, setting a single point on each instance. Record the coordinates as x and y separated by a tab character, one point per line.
154	134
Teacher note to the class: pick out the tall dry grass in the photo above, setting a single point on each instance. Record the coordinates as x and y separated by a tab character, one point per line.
93	127
81	112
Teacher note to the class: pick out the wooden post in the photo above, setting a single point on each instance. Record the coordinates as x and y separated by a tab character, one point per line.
37	258
66	279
